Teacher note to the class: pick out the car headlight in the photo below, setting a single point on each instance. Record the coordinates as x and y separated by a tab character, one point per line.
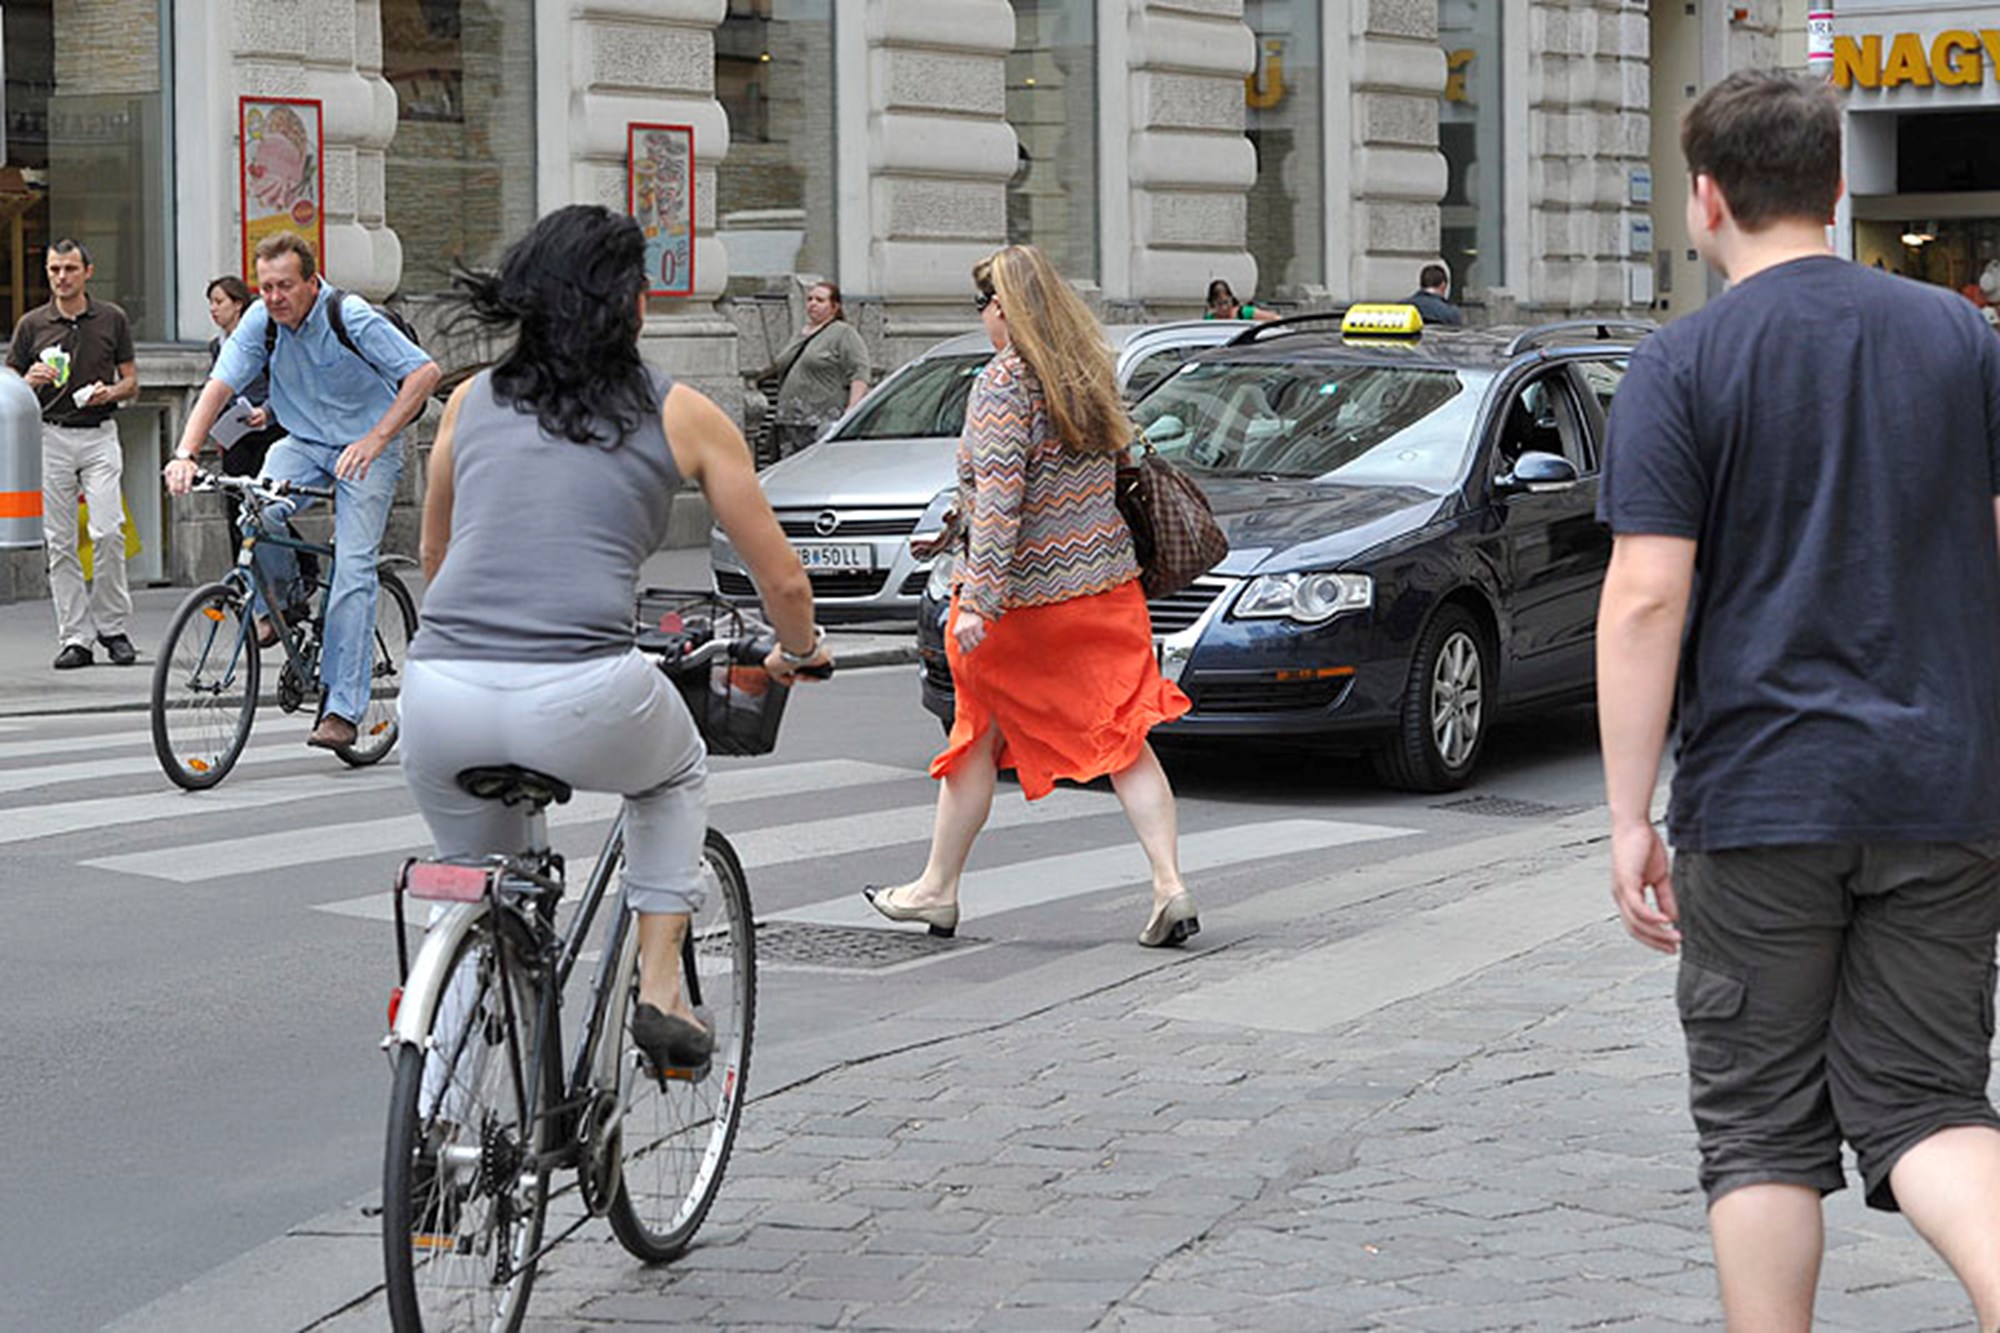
1307	598
937	586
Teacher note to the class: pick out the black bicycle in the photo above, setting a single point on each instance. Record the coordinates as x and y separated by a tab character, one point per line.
487	1105
207	680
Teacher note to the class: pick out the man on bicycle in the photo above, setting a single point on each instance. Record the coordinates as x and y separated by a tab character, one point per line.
345	402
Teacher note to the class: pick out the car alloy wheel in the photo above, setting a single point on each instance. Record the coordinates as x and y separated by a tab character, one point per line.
1442	729
1458	701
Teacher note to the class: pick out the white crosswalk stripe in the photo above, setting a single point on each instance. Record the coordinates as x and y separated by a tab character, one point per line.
764	837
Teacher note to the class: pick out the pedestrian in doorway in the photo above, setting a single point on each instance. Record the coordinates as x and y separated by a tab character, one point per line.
76	354
1050	645
1222	304
1433	296
821	372
228	297
1835	886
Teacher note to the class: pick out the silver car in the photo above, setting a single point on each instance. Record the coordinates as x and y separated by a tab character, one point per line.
850	502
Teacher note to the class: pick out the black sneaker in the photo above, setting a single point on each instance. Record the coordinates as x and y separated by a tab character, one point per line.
72	656
119	649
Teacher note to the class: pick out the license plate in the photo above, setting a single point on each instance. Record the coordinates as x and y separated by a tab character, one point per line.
829	557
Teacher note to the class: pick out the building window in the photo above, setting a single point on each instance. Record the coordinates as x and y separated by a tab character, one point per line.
774	192
1052	105
1469	133
1283	122
88	153
459	175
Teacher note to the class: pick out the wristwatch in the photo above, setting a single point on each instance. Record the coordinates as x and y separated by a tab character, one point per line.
791	658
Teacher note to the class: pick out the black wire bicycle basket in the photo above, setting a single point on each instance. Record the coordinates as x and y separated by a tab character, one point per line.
737	706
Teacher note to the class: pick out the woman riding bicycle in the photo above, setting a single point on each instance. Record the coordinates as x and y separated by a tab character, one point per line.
550	482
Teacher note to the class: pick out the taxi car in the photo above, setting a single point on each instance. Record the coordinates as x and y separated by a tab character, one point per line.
1414	546
850	501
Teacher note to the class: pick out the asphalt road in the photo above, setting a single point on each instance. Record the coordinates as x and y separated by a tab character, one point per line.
192	988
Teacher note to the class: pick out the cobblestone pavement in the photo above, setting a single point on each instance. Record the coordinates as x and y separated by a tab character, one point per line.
1511	1151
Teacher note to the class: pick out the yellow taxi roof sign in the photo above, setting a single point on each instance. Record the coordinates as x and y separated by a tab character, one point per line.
1382	320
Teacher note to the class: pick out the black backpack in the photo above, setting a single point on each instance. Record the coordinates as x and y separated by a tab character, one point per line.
334	297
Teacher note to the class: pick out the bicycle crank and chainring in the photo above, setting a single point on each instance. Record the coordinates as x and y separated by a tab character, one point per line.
291	690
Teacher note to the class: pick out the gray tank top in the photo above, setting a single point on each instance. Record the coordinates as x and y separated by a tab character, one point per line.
547	536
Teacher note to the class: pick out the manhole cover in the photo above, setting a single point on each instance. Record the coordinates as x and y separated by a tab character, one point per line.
805	944
1505	807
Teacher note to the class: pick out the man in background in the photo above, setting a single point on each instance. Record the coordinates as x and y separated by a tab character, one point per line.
1431	296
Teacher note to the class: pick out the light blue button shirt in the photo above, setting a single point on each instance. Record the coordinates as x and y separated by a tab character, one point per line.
323	393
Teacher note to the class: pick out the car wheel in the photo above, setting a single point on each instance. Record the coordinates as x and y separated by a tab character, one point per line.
1447	708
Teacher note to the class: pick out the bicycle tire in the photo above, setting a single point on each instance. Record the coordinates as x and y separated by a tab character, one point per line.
676	1135
443	1231
205	681
376	730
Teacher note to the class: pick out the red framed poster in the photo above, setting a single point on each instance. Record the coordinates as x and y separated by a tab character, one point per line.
281	172
659	192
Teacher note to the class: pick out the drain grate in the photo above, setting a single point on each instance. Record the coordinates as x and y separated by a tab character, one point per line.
849	948
1505	807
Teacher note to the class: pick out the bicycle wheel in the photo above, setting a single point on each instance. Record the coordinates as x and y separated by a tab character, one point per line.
462	1208
676	1133
205	687
375	731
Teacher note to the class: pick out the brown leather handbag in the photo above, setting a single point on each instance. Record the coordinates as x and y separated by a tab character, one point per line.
1174	533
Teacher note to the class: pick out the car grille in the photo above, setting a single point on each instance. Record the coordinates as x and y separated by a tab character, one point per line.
1267	696
913	584
848	583
1177	611
853	523
731	584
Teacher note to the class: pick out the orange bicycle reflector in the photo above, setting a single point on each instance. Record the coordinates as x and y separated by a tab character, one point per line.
213	613
447	883
198	765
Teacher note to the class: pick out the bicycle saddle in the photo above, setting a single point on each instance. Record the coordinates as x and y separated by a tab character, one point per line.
510	784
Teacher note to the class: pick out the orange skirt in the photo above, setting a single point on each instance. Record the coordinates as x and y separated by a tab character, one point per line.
1073	687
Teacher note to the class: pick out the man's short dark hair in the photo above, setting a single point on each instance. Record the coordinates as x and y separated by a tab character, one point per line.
1434	275
1771	142
289	243
68	247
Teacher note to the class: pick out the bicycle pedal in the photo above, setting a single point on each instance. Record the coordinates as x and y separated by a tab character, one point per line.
682	1074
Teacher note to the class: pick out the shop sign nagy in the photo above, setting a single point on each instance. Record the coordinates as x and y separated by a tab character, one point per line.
1954	58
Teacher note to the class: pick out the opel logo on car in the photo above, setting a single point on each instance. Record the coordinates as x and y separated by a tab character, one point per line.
826	523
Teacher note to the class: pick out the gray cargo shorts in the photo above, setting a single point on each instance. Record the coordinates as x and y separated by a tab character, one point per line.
1834	992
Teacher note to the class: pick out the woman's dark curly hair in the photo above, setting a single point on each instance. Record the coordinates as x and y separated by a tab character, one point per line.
570	290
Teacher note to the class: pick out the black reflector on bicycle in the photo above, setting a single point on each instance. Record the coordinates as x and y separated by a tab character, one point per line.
446	883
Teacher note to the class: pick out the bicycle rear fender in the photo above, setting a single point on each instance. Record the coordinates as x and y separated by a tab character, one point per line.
428	974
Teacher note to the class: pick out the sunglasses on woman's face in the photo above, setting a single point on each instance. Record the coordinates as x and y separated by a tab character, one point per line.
980	300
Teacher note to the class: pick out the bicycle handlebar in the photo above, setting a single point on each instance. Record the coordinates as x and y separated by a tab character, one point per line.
257	489
744	650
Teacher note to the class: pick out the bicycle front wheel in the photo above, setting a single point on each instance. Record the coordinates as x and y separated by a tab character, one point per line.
676	1133
205	687
463	1201
375	731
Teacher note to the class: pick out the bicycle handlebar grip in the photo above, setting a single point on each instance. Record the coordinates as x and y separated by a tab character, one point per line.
311	492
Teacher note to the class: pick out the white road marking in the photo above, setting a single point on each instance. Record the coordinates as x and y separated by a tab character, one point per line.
165	807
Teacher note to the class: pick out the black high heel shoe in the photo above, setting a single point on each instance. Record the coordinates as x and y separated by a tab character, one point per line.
943	920
670	1041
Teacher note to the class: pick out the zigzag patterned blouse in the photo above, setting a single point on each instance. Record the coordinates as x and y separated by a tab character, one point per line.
1042	521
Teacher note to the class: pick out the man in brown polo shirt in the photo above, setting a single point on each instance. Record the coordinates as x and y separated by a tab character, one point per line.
76	354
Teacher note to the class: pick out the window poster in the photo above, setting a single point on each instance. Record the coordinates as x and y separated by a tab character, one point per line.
660	194
282	180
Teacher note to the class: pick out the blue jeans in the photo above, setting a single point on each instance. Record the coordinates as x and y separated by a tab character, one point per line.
360	512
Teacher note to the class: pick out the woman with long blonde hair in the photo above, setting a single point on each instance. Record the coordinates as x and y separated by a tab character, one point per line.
1050	645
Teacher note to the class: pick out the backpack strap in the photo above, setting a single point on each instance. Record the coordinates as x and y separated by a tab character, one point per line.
334	299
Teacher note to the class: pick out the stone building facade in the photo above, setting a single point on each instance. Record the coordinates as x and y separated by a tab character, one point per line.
1310	153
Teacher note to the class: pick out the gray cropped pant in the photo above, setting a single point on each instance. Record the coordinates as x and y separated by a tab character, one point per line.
604	724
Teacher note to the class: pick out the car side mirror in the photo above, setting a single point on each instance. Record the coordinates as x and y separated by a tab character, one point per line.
1536	473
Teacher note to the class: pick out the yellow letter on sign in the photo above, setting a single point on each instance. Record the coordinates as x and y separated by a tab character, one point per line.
1906	62
1955	59
1857	63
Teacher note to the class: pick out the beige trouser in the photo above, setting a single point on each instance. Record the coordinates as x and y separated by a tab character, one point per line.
85	460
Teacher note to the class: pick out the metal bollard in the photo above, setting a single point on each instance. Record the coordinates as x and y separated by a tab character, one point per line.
20	464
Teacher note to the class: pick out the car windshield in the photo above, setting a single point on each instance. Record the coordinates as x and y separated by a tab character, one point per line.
927	399
1368	425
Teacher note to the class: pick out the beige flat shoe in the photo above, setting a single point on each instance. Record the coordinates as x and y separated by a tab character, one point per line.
1173	922
943	920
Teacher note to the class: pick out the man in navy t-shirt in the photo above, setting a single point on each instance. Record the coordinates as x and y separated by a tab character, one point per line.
1801	483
